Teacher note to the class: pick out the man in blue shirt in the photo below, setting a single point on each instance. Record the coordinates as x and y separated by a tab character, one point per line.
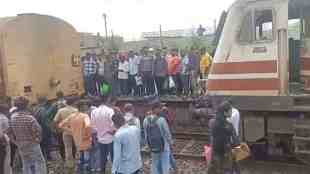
126	147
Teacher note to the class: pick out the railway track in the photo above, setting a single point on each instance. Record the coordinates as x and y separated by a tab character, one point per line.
191	135
188	152
190	146
187	145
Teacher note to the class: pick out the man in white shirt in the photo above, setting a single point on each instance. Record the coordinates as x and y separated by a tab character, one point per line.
235	119
100	71
123	70
134	62
101	121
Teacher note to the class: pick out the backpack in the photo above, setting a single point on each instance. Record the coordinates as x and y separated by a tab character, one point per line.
154	137
104	89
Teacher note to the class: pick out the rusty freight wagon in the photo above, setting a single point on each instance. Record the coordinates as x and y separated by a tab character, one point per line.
39	55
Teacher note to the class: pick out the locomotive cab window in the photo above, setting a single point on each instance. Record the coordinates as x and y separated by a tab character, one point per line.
245	35
257	26
263	25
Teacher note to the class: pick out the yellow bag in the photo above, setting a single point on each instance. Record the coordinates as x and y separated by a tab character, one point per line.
241	152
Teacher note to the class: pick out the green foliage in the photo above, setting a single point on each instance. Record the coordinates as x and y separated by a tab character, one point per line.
114	43
202	42
189	42
179	42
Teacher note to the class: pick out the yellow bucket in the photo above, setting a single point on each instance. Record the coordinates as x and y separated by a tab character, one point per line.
241	152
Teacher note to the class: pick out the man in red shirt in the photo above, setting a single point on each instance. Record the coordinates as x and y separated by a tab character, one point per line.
174	70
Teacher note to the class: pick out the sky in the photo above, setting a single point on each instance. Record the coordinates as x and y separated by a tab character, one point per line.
127	18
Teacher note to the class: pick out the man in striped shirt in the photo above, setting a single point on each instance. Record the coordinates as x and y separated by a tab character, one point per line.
90	69
25	132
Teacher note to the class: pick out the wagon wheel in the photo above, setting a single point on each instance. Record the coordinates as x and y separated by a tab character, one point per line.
304	158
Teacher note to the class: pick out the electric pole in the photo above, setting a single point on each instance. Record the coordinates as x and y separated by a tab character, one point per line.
105	25
161	37
215	26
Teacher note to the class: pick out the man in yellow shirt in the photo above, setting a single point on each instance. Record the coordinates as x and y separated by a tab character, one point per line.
205	64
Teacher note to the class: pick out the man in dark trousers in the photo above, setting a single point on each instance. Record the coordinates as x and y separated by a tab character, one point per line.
146	71
223	139
41	113
159	139
160	71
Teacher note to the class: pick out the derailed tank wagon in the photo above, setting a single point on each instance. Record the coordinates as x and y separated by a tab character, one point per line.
39	55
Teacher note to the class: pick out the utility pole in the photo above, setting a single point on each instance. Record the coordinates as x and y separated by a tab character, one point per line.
105	25
215	26
113	45
160	37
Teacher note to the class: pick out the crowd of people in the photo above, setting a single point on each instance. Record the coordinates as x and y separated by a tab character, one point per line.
85	135
149	72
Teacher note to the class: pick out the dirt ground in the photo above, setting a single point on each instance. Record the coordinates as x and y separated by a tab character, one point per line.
200	167
272	168
247	167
